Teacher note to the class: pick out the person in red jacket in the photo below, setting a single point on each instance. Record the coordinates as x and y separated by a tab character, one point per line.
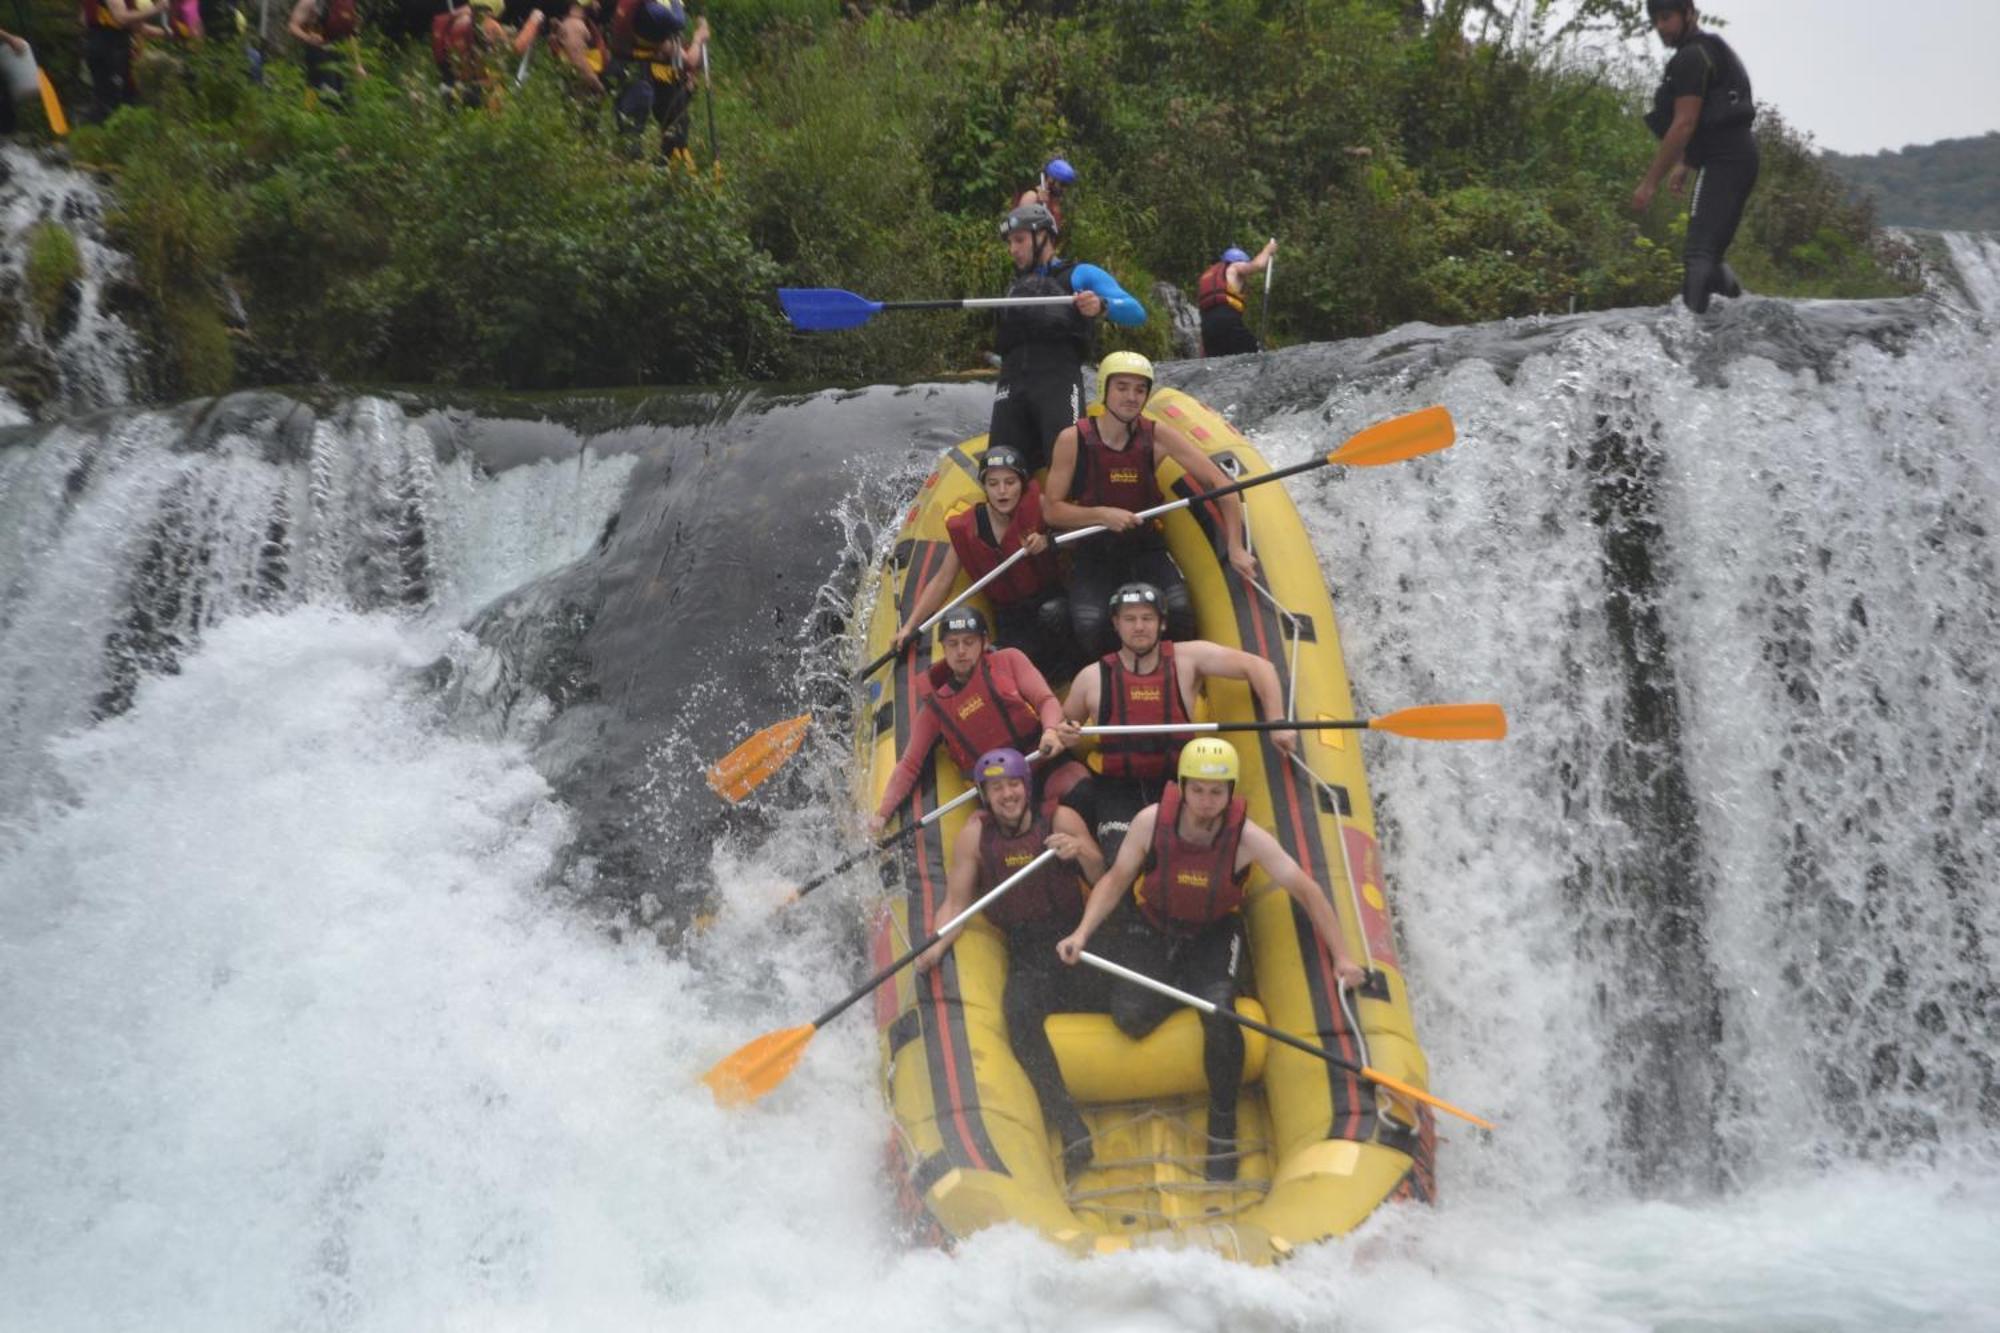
1195	850
317	25
980	699
1006	834
1029	608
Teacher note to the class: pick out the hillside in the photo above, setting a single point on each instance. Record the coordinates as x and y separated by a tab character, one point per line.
1953	184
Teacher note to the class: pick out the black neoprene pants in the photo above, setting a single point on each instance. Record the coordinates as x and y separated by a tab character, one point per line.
1097	573
1721	190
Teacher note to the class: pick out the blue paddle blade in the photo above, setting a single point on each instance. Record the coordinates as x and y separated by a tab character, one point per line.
826	308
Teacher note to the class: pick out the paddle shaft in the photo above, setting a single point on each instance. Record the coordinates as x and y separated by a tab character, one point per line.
708	96
1079	534
1191	728
1264	321
1275	1034
992	896
978	303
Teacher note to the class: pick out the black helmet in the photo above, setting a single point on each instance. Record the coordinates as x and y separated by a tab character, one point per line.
1655	8
1001	456
1138	594
962	620
1029	218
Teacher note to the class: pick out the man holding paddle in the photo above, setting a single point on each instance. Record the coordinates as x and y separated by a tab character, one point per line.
1150	681
1195	849
979	700
1006	834
1043	347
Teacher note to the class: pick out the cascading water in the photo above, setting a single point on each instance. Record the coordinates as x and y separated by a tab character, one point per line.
1976	257
81	354
298	1035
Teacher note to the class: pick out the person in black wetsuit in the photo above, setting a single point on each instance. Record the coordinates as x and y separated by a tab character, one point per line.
1702	115
1043	348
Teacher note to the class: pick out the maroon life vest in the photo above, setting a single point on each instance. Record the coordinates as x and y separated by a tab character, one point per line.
1118	478
1127	699
1051	897
971	533
982	714
453	35
338	20
1212	290
1188	886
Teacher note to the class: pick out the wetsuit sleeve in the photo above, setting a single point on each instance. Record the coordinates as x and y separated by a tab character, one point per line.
923	736
1034	687
1120	306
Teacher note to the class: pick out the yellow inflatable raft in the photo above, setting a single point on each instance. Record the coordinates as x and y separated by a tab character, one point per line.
1323	1148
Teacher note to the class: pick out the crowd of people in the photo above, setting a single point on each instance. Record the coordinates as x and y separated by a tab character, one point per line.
643	59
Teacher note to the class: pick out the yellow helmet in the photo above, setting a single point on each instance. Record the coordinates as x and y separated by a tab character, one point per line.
1209	759
1123	363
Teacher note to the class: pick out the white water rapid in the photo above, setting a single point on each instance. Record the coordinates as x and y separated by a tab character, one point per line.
298	1029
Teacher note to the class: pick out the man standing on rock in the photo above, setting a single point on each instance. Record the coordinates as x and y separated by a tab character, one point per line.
1701	115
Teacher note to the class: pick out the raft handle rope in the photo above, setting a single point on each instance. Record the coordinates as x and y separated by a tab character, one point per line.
1290	625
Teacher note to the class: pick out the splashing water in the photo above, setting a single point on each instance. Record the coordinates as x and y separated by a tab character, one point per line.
299	1035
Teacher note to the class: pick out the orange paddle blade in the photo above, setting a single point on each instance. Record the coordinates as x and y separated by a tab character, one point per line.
1446	722
757	1068
52	106
1421	432
1397	1085
744	769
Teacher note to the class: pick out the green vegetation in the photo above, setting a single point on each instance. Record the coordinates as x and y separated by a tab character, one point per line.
1409	172
52	265
1953	184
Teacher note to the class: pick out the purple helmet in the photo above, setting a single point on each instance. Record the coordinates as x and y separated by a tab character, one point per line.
1001	763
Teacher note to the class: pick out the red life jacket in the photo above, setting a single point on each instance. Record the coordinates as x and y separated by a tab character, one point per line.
1127	699
451	39
1051	897
1212	290
1188	886
1125	478
971	533
338	19
982	714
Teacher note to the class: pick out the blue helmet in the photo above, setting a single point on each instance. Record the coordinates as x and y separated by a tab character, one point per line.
1234	255
656	22
1060	171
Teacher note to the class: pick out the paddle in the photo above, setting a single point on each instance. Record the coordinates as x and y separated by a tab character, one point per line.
1409	436
824	309
755	1069
708	96
1375	1076
1264	320
745	768
1428	722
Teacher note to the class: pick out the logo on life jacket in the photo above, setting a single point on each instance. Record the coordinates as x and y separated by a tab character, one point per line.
1123	476
1015	860
971	706
1144	694
1197	878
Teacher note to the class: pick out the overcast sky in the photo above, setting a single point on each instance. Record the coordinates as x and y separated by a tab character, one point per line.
1863	75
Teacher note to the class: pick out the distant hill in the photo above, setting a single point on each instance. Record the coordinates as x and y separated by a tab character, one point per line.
1952	184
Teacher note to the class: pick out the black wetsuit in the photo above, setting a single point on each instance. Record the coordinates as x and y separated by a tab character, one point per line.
1723	154
1042	351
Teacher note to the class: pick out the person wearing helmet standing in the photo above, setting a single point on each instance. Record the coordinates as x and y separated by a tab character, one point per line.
576	40
1151	680
1056	179
653	67
979	699
1701	115
1029	608
1192	854
1006	833
1218	294
1104	471
1043	348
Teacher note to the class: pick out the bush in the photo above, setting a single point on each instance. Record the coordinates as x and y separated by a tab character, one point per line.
52	265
